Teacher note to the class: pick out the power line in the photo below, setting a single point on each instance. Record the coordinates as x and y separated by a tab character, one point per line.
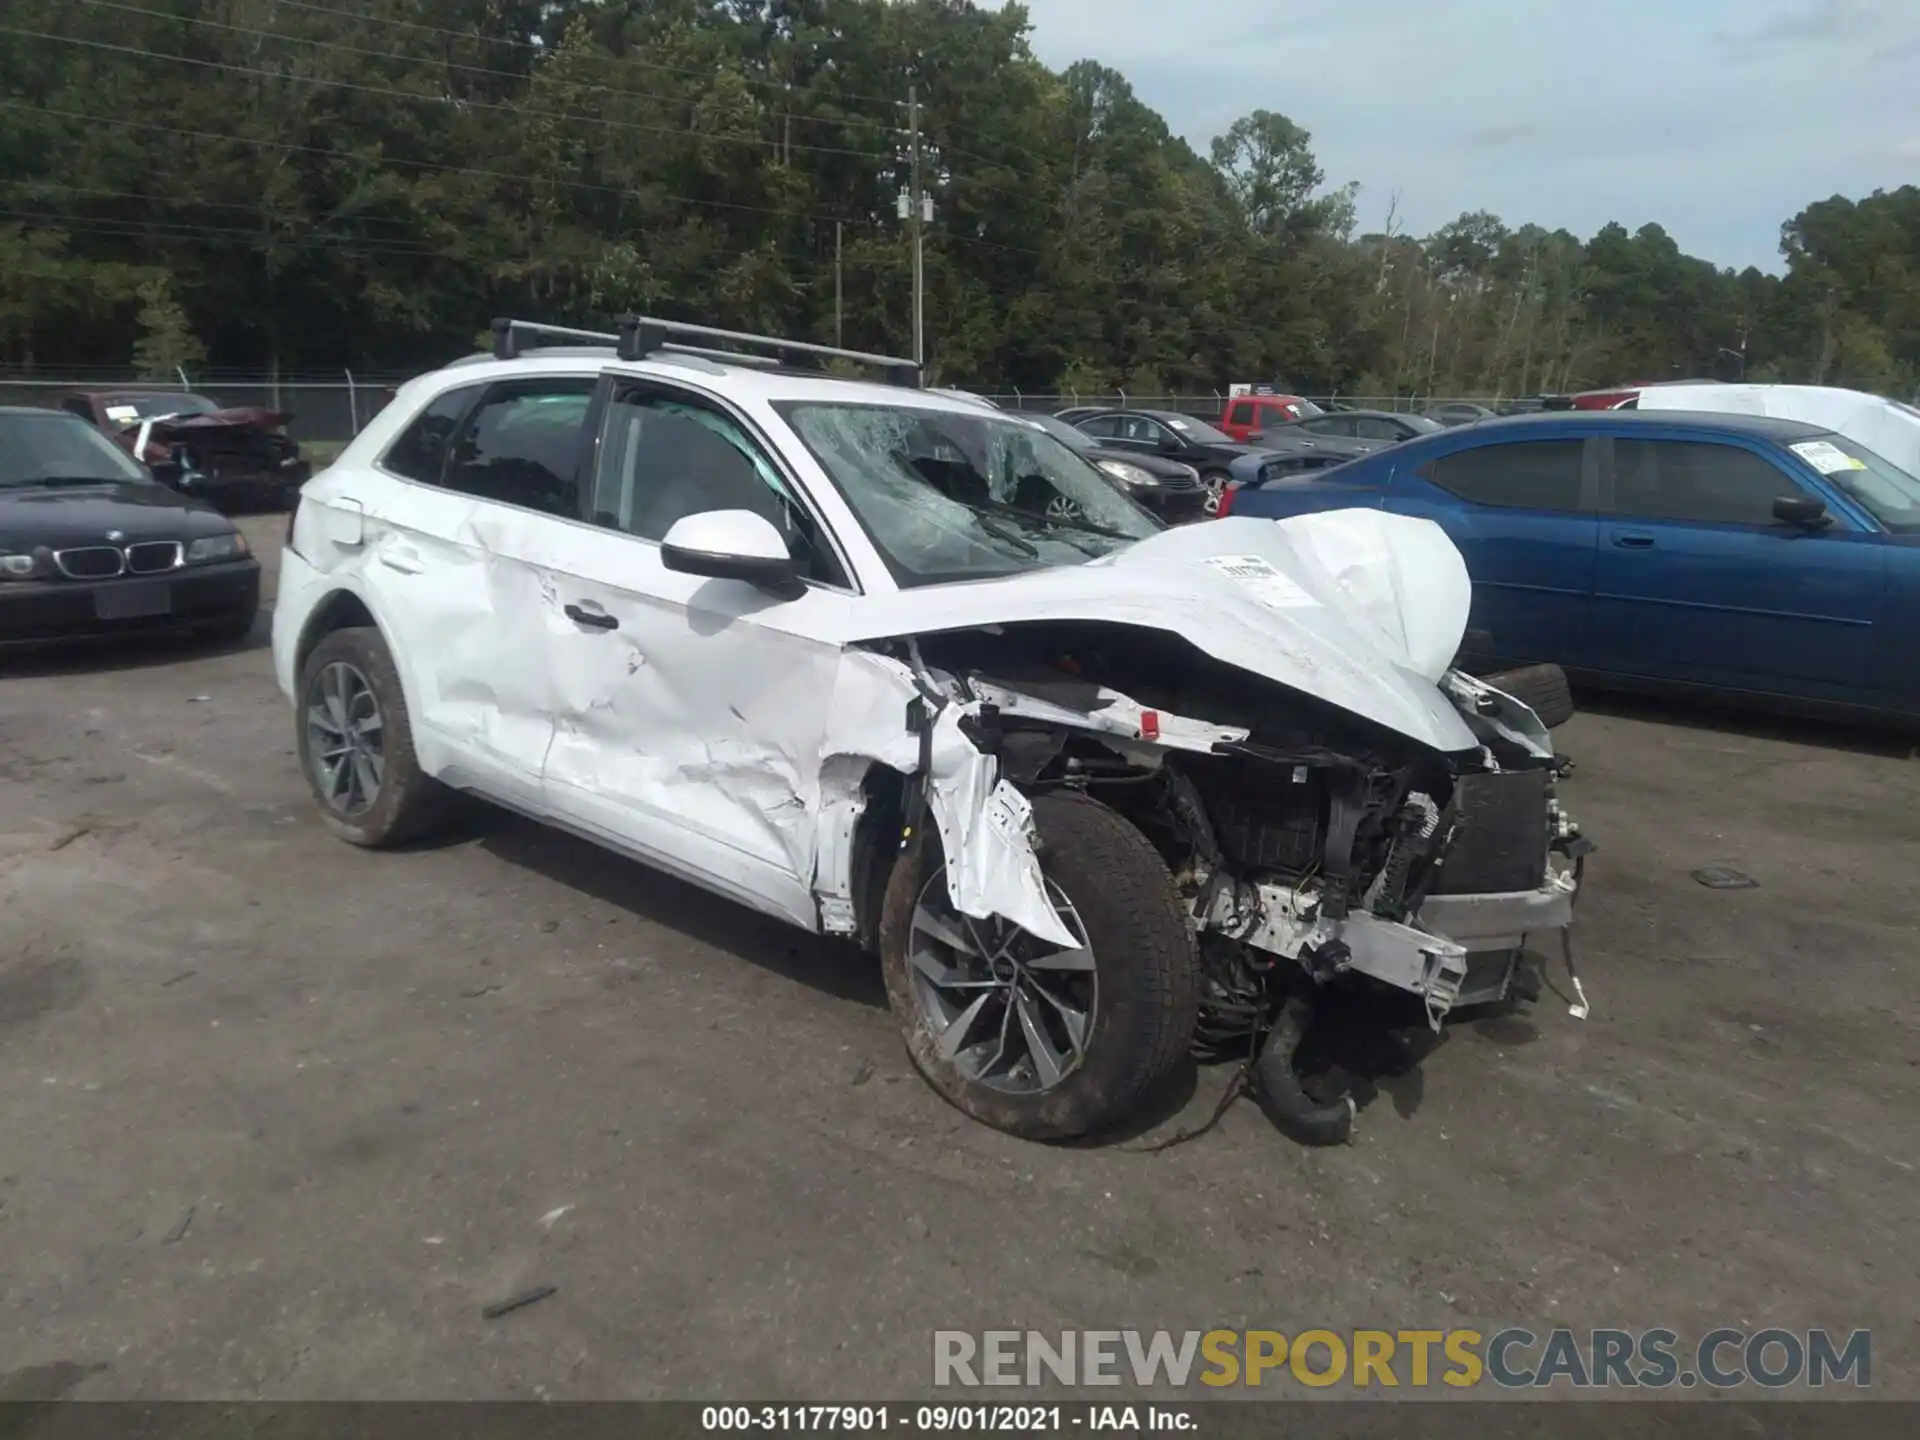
859	121
164	230
151	198
546	51
697	73
359	86
627	192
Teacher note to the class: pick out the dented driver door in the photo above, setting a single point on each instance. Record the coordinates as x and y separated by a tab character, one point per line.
690	712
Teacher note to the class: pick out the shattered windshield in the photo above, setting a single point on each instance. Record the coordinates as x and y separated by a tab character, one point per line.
950	495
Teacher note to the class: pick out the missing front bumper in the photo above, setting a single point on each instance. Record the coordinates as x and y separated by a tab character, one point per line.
1460	949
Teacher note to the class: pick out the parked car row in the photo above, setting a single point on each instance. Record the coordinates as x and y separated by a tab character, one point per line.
1739	551
92	544
233	456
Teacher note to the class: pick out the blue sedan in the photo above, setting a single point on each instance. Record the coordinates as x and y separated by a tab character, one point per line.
1732	553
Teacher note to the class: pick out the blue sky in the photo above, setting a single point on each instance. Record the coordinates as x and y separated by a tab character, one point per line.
1714	118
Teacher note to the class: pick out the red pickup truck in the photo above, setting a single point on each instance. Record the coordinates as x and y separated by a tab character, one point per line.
1247	414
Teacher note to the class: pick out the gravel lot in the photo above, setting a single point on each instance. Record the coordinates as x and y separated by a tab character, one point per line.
280	1117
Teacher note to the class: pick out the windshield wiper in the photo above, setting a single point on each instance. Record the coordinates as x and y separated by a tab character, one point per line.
54	482
1000	507
1013	537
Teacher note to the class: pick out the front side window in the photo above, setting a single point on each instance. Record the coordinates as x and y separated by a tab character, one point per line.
52	449
959	496
663	458
1528	475
1696	480
1374	428
521	445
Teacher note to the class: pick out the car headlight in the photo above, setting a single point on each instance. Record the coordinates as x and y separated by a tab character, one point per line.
25	564
1131	476
230	546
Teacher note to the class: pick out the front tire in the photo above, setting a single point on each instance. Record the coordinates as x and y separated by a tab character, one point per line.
1216	482
356	744
1045	1044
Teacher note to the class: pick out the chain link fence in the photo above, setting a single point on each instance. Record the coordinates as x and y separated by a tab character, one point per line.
331	409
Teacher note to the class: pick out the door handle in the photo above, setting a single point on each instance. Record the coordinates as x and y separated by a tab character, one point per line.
1634	542
402	557
592	619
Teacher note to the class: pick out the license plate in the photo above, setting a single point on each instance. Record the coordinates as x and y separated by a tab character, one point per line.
133	600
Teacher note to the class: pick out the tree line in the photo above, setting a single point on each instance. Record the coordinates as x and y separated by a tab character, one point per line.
316	183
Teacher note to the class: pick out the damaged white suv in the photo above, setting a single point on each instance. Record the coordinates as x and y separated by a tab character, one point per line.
895	666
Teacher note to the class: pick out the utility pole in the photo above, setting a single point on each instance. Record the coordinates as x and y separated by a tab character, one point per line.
916	206
839	233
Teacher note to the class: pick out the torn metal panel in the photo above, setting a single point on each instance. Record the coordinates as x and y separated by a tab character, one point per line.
1490	709
1293	601
1110	713
987	835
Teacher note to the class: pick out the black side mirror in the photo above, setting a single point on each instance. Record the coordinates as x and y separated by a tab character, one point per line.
1802	510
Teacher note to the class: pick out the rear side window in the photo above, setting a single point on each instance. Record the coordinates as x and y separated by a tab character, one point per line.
1242	413
421	451
1527	475
1696	480
1105	427
522	445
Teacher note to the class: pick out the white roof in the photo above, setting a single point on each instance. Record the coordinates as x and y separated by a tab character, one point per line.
1886	427
745	382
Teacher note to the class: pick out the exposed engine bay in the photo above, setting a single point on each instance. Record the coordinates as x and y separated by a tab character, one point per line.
1309	846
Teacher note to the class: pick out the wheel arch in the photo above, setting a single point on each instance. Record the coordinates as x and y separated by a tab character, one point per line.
341	609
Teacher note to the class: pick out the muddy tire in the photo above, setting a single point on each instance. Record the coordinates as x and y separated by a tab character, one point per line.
1140	988
1543	688
356	744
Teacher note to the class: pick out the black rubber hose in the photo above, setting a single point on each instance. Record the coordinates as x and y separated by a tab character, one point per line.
1276	1086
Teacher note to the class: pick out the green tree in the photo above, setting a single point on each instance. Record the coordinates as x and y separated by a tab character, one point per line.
166	345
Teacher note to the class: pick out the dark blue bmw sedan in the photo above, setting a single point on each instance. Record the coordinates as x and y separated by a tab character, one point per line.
1656	549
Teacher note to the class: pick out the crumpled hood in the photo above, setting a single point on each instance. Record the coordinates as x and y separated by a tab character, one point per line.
240	417
1361	608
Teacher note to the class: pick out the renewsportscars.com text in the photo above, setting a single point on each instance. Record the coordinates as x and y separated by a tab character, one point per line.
1513	1358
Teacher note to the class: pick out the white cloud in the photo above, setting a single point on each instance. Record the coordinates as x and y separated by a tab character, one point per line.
1716	119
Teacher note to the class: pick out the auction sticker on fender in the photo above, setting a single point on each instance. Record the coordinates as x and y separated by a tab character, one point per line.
1267	584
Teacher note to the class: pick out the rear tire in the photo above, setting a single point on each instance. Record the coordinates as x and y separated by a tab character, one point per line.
1114	888
356	744
1543	688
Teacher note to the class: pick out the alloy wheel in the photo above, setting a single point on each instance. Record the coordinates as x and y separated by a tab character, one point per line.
1008	1010
345	739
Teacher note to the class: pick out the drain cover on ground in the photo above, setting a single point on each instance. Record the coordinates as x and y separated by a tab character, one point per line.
1725	877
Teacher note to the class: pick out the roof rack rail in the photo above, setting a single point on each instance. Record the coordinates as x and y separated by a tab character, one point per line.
513	338
642	335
